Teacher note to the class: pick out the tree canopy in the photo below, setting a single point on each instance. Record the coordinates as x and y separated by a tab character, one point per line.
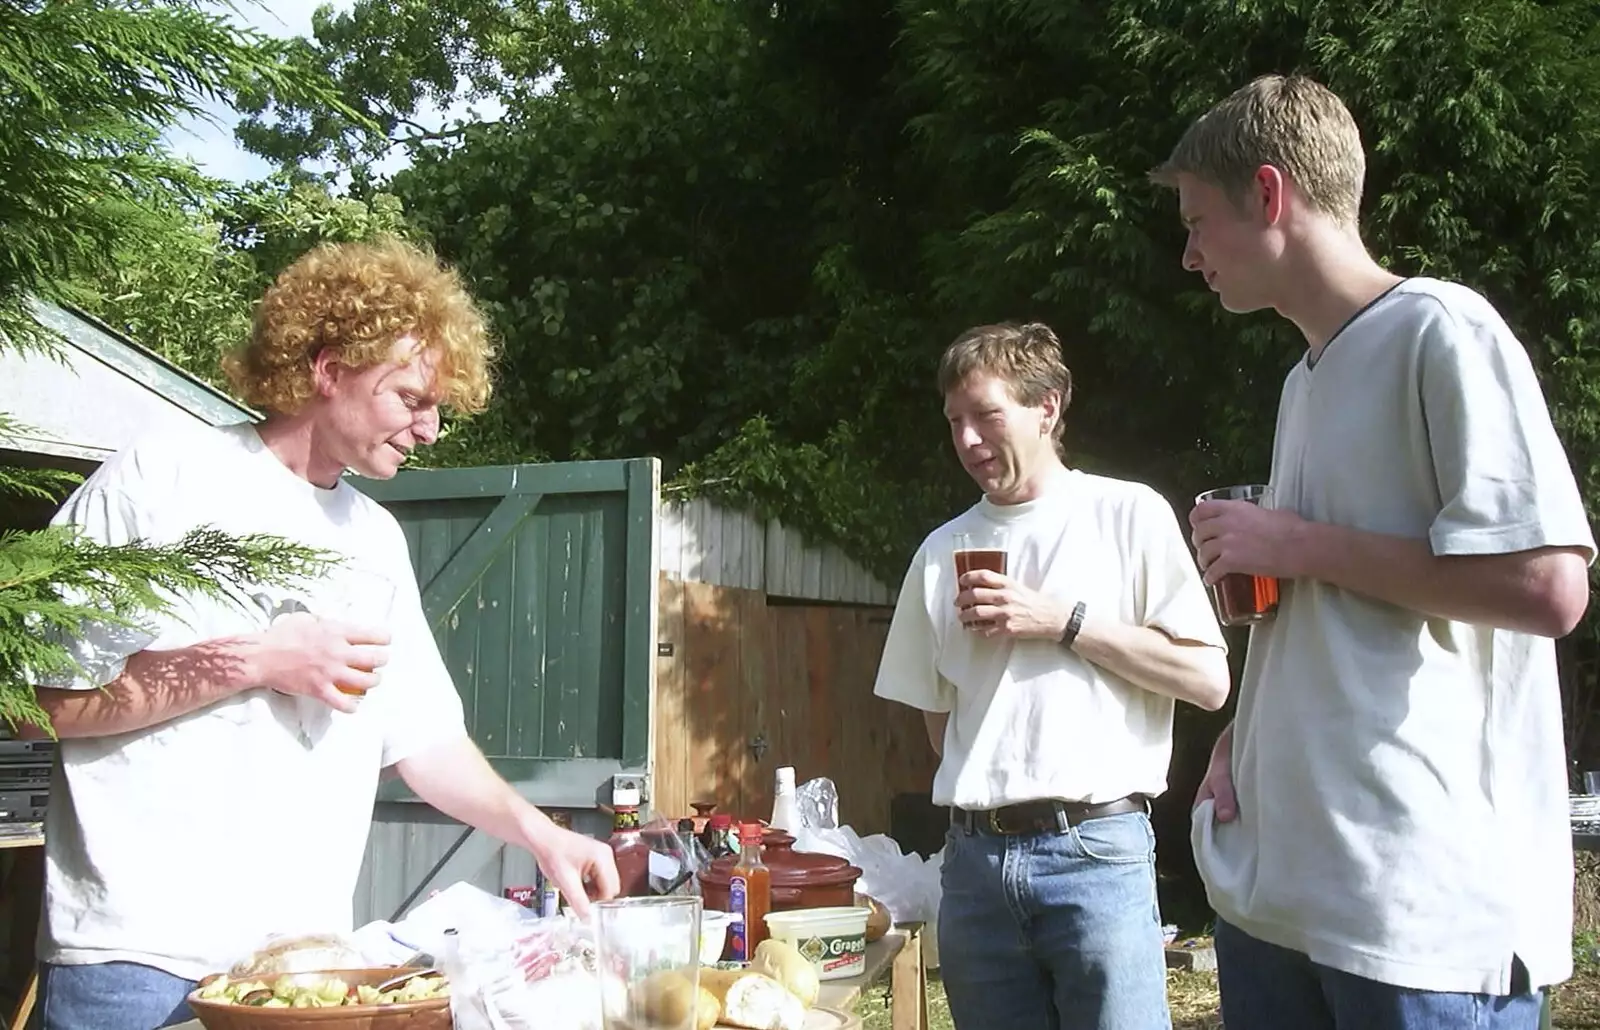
737	234
86	87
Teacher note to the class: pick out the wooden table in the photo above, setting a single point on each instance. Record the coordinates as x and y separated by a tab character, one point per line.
898	952
30	992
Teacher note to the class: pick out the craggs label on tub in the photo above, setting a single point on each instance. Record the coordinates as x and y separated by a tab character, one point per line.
835	954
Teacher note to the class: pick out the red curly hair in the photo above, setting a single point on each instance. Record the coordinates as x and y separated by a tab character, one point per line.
359	298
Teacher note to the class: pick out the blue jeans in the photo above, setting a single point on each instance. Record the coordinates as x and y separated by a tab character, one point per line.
109	996
1054	931
1265	987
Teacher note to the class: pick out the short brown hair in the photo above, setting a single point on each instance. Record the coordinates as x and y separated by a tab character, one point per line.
1027	358
1290	122
359	298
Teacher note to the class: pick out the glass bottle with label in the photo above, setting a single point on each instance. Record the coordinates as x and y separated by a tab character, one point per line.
749	896
720	837
630	850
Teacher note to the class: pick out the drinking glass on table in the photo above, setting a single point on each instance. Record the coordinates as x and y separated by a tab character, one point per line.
649	956
1242	598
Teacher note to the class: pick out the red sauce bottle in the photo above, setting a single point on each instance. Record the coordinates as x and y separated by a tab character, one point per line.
749	896
631	852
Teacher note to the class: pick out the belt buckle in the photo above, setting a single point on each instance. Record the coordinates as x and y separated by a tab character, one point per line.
993	818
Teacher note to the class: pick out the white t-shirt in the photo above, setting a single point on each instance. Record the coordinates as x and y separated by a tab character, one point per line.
183	845
1030	719
1401	779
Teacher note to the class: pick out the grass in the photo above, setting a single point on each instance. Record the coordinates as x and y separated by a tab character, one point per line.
1193	999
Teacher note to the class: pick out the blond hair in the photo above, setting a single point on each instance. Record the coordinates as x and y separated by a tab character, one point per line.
359	298
1290	122
1027	358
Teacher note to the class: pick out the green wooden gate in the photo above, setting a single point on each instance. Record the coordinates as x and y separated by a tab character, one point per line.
540	584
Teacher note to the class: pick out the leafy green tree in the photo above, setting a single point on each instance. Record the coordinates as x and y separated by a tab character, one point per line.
190	297
736	234
86	88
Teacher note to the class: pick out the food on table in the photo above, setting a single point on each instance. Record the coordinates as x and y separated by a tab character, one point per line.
668	998
300	991
754	1000
878	922
783	962
305	953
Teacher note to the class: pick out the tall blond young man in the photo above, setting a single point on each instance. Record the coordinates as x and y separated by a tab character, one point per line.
1383	830
215	784
1048	692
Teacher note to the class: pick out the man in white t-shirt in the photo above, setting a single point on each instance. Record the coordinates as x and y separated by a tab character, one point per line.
1383	830
217	772
1048	691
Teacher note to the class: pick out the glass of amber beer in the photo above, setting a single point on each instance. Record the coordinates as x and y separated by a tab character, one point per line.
983	547
1242	598
358	598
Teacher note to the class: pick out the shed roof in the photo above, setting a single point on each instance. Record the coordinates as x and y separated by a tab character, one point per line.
100	391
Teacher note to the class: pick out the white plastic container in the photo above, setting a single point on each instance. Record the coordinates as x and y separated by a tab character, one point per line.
833	939
713	935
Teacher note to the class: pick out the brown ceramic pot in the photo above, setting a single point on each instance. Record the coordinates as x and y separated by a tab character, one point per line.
800	879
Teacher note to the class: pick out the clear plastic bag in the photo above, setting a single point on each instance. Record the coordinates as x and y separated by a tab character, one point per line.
301	953
817	802
663	857
509	969
906	884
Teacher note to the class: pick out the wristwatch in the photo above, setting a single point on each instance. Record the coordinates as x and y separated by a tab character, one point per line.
1074	624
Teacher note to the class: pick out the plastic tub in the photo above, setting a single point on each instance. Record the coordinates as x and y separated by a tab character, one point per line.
834	939
713	935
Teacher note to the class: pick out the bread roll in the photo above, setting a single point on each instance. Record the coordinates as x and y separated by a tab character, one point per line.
753	1000
781	961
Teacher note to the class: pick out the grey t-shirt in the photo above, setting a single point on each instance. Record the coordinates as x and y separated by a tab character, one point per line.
1401	779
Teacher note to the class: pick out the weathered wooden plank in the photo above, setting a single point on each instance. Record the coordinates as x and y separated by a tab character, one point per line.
473	556
568	477
756	671
670	787
715	718
793	741
525	722
669	539
564	734
640	609
694	526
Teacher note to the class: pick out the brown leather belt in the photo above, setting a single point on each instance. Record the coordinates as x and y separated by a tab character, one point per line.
1048	816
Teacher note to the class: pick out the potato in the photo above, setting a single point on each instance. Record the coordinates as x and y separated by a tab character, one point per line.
717	981
781	961
878	922
668	999
710	1009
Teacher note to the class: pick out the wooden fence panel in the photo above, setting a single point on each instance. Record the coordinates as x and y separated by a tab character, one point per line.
796	682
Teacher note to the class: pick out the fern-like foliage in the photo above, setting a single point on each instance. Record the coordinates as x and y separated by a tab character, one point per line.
53	581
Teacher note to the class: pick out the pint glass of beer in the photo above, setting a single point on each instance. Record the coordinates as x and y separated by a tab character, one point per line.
357	597
1242	598
981	548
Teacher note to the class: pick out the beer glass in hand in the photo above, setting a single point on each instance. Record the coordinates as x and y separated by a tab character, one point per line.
1242	598
359	599
982	548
